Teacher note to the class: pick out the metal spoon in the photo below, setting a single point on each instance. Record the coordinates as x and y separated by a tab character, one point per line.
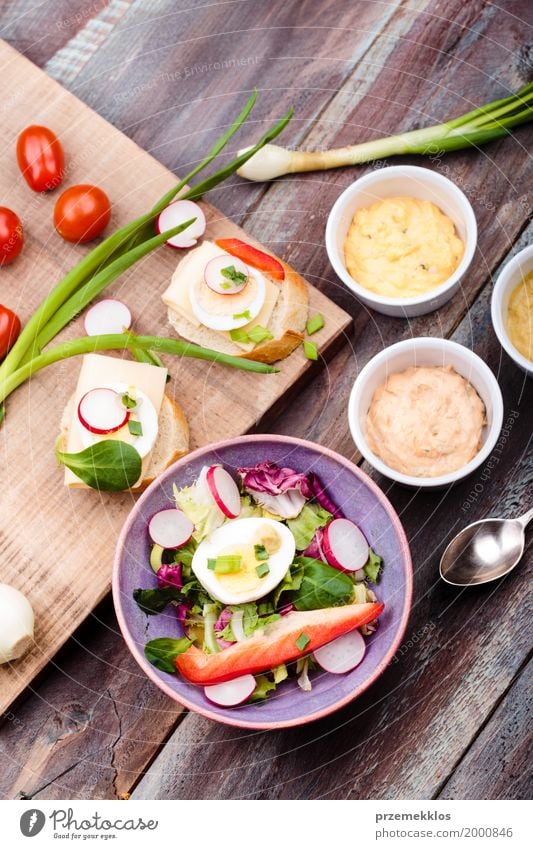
484	551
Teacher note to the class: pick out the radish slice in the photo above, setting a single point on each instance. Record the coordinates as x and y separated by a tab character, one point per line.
231	693
344	545
224	490
170	528
108	316
178	213
101	411
343	654
221	283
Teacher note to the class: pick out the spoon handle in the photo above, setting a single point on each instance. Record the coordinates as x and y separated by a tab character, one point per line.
526	518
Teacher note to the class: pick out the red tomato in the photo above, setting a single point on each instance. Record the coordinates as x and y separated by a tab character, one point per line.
40	158
9	330
81	213
11	236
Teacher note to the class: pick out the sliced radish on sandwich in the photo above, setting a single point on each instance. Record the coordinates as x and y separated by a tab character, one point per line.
231	693
226	275
178	213
345	546
343	654
224	490
107	316
101	411
170	528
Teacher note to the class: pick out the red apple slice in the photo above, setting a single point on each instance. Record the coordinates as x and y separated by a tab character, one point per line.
224	490
101	411
170	528
344	545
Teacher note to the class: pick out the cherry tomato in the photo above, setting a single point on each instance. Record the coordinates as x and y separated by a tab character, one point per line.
9	330
11	236
40	158
81	213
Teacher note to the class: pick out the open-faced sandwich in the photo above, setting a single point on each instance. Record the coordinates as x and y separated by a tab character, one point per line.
234	298
125	401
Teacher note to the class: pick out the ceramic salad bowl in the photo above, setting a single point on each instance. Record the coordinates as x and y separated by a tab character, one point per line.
360	499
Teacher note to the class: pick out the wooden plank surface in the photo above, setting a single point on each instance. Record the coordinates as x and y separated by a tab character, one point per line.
66	573
94	726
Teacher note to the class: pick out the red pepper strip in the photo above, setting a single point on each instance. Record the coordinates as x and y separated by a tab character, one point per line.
253	256
276	645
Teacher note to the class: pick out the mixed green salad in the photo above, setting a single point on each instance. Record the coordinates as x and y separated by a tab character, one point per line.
268	580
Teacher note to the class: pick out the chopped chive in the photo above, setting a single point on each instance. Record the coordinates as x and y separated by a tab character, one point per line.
315	323
129	401
231	273
310	350
225	285
258	334
245	314
135	428
303	641
262	570
260	552
225	564
239	335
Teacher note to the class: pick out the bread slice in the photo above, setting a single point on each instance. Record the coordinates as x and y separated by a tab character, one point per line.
171	444
287	324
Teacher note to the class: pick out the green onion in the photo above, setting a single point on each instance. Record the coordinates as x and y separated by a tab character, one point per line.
239	335
310	350
262	570
488	122
121	342
135	427
245	314
303	641
315	323
225	564
260	552
231	273
258	334
129	402
107	261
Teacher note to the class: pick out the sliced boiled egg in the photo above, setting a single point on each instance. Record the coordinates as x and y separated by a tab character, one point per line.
244	559
228	312
143	417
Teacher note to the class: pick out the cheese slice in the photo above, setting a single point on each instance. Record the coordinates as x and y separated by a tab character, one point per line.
98	370
191	269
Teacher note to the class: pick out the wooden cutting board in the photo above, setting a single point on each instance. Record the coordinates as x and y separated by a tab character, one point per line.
56	544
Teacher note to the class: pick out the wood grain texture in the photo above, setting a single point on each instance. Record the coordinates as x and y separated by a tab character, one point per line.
64	573
354	70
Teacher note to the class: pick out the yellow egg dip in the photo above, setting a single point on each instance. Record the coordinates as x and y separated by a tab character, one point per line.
401	247
425	421
520	317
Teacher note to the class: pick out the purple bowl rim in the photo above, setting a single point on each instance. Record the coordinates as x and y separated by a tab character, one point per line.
228	720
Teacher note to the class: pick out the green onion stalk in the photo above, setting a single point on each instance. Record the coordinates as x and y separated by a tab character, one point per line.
488	122
109	260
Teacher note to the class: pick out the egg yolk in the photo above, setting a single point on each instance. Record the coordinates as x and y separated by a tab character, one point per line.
246	578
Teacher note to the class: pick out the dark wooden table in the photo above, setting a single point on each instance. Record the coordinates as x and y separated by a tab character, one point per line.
448	719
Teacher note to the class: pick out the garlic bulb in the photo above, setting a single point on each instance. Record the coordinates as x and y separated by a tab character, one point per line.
16	624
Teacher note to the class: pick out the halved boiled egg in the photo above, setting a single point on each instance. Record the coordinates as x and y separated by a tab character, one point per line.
141	428
244	559
228	312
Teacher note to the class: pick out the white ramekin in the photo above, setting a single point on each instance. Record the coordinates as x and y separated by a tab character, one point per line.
510	276
406	181
426	351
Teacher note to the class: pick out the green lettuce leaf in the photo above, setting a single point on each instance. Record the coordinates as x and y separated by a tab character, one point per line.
292	581
311	517
321	586
205	515
373	567
263	687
